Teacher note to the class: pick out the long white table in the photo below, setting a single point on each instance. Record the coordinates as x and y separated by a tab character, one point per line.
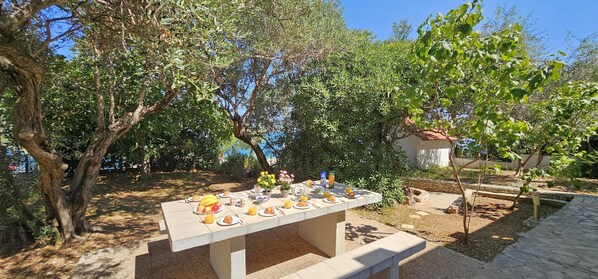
322	225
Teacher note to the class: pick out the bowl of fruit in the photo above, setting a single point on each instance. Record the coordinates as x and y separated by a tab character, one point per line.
208	204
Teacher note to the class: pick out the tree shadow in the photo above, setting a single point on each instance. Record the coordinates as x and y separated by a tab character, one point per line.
505	228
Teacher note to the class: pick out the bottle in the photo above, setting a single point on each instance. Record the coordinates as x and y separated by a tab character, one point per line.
323	179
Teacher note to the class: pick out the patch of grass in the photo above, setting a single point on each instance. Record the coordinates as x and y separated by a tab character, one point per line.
508	178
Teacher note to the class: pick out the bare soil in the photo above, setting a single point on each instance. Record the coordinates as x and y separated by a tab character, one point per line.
493	226
125	210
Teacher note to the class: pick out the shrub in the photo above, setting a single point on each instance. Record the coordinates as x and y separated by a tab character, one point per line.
240	166
389	186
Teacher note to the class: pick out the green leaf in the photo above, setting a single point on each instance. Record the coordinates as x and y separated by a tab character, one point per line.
465	28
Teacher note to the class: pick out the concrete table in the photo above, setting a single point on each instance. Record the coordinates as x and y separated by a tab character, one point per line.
322	225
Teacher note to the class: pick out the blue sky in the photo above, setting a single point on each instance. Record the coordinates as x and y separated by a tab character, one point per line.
557	19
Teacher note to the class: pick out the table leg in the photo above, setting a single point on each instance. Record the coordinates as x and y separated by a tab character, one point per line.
327	233
228	258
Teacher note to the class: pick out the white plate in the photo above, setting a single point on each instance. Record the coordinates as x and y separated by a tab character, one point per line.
327	201
189	199
221	195
301	207
354	197
222	223
262	213
200	213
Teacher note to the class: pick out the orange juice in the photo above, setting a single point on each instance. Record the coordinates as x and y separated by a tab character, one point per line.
208	219
252	210
288	204
308	183
331	180
304	198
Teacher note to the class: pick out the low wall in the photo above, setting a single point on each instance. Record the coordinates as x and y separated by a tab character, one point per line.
444	186
505	165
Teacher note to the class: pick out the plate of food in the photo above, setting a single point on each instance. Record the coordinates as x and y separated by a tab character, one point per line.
267	212
226	194
194	198
352	195
331	199
302	205
228	220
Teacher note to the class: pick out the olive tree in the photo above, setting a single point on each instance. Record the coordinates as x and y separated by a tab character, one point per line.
166	47
281	37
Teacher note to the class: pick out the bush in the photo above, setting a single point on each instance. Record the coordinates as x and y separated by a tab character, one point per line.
240	166
389	186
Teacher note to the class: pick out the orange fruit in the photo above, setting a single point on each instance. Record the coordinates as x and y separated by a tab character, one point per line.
209	219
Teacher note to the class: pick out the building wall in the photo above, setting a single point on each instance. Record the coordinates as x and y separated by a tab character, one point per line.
433	153
409	144
425	154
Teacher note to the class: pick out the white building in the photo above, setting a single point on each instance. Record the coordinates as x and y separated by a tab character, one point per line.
426	149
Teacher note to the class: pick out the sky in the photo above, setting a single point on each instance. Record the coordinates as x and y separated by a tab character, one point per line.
560	21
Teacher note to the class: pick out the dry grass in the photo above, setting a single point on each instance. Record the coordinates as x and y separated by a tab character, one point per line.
493	227
122	210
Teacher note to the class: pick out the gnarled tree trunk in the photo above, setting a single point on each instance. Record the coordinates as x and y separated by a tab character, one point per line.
240	132
25	76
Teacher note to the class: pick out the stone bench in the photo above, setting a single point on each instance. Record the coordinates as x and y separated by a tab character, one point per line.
379	259
162	226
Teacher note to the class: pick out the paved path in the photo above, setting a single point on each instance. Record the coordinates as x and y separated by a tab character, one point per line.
270	254
564	245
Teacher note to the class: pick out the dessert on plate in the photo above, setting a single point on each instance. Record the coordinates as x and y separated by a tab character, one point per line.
302	204
228	220
195	197
269	210
331	198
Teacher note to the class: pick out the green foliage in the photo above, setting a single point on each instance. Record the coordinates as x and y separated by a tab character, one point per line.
342	117
389	186
238	165
529	176
47	235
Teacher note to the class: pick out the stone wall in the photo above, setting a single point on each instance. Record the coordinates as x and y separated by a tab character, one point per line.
444	186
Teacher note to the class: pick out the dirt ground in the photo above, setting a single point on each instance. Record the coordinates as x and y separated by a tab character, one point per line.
493	226
124	210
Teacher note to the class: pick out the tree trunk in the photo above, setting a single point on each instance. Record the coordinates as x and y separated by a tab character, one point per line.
259	153
86	176
25	76
522	166
145	161
240	132
462	190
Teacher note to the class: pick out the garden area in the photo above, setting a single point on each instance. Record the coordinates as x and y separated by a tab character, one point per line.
118	116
